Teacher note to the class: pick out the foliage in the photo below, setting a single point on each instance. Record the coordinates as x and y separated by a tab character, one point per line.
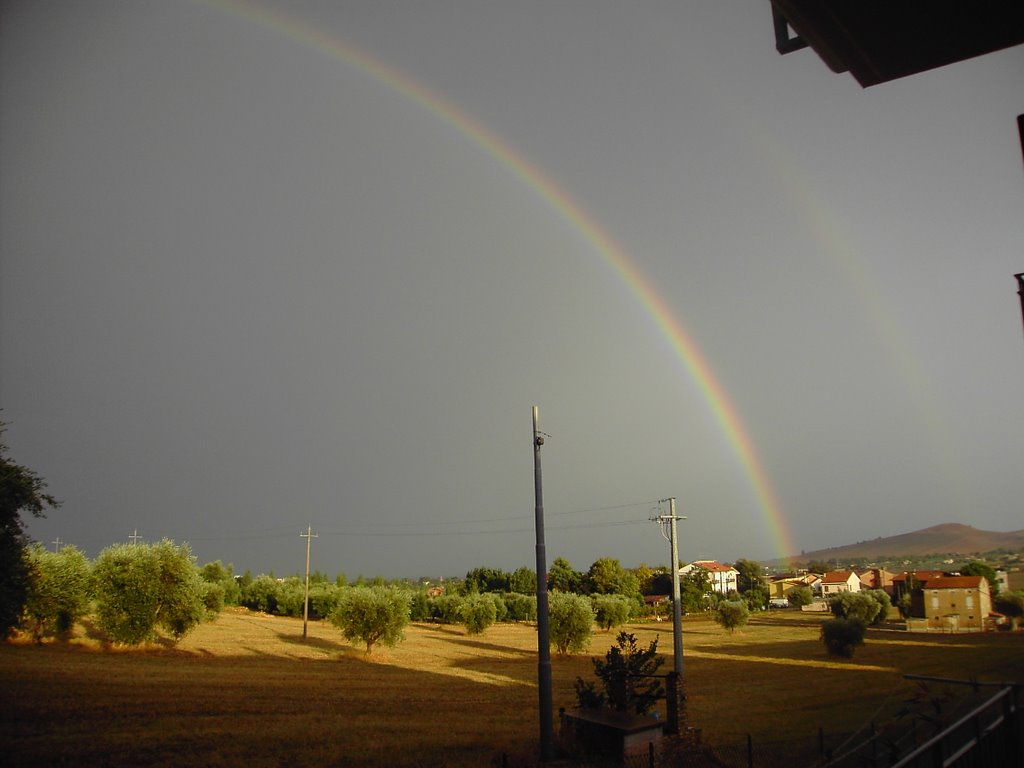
732	614
485	580
627	675
800	596
693	590
260	594
562	577
372	615
419	606
523	580
520	607
978	568
448	608
863	606
819	567
750	575
881	597
570	621
842	636
478	613
607	577
58	593
217	573
1010	604
500	606
756	598
142	587
21	490
611	610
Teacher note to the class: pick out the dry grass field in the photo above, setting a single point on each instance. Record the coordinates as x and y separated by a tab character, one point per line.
247	690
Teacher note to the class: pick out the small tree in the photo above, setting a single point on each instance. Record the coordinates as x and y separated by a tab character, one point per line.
478	613
570	621
628	678
611	610
842	636
800	596
732	614
58	592
562	577
1010	604
978	568
862	606
521	607
142	587
372	615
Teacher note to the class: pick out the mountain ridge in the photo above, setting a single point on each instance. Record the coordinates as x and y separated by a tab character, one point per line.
951	538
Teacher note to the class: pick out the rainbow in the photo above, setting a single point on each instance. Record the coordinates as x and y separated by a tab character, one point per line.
565	207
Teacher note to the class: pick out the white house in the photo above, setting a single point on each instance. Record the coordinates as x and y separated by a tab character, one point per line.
723	577
834	582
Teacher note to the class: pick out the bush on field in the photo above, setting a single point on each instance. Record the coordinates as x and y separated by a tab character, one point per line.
864	606
142	587
260	594
447	608
841	636
800	596
732	614
570	621
58	590
372	615
478	613
217	573
419	606
500	609
611	610
323	597
520	607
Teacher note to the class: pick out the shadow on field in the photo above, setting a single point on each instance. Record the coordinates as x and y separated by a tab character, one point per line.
312	642
504	650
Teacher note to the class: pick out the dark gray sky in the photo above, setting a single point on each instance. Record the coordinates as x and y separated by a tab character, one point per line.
250	284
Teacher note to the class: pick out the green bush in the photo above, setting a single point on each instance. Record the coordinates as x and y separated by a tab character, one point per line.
448	608
58	590
142	587
863	606
732	614
372	615
842	636
520	607
570	621
500	608
611	610
419	606
261	594
478	613
800	596
628	675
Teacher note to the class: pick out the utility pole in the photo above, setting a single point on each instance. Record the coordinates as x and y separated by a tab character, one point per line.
547	745
308	536
676	702
135	536
56	545
1020	292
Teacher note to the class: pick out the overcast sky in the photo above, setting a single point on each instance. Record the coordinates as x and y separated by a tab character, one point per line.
296	264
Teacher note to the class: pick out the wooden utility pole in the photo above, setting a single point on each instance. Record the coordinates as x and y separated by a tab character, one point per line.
308	536
56	545
135	536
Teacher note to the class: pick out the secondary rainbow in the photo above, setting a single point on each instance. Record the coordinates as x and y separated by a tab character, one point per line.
565	207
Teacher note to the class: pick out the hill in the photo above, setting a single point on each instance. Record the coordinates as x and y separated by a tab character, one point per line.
952	538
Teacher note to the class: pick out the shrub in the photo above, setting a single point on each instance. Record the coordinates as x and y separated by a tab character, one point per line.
261	594
448	608
520	607
862	606
58	590
142	587
841	636
419	606
478	613
570	621
800	596
611	610
372	615
732	614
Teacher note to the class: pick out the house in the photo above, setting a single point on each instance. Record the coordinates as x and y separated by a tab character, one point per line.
951	604
723	577
779	589
877	578
834	582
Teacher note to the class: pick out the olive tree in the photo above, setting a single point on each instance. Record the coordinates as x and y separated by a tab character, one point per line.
732	614
841	636
570	621
140	588
478	613
611	610
58	593
372	615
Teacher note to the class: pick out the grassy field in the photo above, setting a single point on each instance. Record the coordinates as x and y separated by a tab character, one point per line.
246	689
